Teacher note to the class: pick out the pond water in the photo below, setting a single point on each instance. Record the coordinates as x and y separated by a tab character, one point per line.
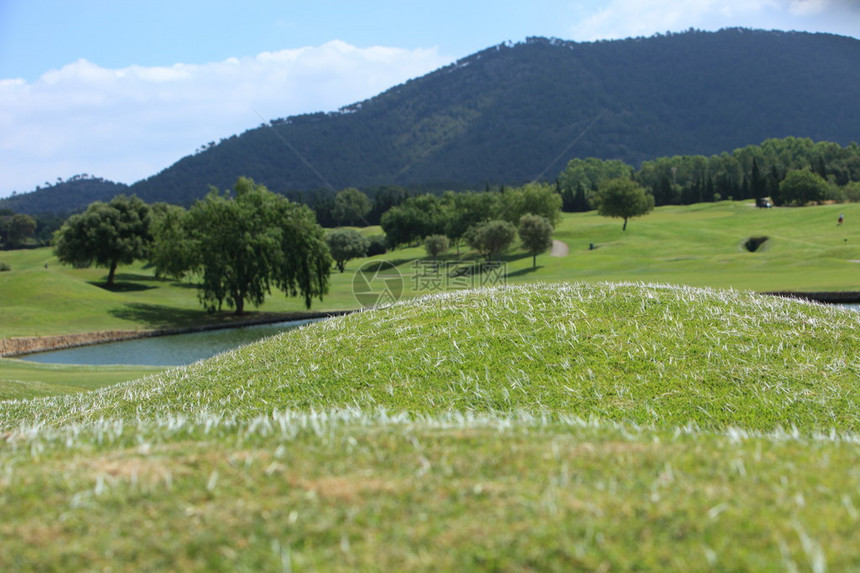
170	350
177	349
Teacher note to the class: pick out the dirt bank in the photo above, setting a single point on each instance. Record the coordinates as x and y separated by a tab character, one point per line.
29	344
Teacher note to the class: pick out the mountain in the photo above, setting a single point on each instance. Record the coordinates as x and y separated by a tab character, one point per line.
516	112
64	197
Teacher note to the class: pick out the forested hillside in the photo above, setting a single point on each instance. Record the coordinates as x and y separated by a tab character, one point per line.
518	112
63	197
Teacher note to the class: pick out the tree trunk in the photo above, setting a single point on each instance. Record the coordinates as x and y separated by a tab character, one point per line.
624	228
111	274
240	306
534	260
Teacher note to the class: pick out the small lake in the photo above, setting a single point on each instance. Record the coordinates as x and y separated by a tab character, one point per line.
177	349
169	350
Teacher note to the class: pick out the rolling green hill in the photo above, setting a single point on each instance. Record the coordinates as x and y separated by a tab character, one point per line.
549	427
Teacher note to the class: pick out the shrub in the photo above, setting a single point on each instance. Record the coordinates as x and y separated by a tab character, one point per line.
4	267
436	245
377	245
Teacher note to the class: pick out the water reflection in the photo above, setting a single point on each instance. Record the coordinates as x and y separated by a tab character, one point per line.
171	350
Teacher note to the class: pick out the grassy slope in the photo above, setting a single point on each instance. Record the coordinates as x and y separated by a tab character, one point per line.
547	427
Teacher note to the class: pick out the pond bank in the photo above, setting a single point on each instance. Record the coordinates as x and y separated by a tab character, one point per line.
835	297
28	344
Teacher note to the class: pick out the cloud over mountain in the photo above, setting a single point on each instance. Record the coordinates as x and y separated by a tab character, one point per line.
125	124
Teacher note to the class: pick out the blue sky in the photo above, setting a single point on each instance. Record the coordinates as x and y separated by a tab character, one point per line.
123	88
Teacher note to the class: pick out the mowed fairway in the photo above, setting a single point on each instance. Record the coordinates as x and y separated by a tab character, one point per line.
545	427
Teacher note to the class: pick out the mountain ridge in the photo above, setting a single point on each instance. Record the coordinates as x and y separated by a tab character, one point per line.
515	112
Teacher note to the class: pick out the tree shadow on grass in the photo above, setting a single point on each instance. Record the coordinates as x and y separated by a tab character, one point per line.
129	282
123	286
159	316
523	272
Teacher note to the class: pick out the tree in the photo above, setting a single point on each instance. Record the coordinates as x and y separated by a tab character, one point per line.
413	220
245	244
624	199
15	229
802	186
462	210
172	251
106	235
584	176
537	198
436	245
492	238
351	206
346	244
536	234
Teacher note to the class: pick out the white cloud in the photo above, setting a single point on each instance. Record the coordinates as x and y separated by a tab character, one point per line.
126	124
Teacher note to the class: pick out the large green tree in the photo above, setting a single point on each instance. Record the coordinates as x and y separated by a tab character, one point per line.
172	253
582	177
536	234
15	229
536	198
802	186
414	219
346	244
623	198
351	207
106	235
248	242
492	238
462	210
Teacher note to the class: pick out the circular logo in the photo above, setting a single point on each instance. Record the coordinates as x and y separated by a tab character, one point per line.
377	283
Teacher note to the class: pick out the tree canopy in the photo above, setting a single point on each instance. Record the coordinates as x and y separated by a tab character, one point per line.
351	206
623	198
435	245
171	254
15	229
247	243
346	244
492	238
106	234
802	186
536	234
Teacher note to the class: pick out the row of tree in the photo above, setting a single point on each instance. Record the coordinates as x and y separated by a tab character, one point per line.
750	172
240	244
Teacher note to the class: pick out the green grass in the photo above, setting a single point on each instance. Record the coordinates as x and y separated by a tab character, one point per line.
698	245
561	426
549	427
20	379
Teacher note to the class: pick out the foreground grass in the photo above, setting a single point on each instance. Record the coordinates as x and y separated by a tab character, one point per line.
543	427
341	491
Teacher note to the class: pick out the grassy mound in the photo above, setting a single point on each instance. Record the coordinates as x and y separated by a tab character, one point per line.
642	354
611	427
